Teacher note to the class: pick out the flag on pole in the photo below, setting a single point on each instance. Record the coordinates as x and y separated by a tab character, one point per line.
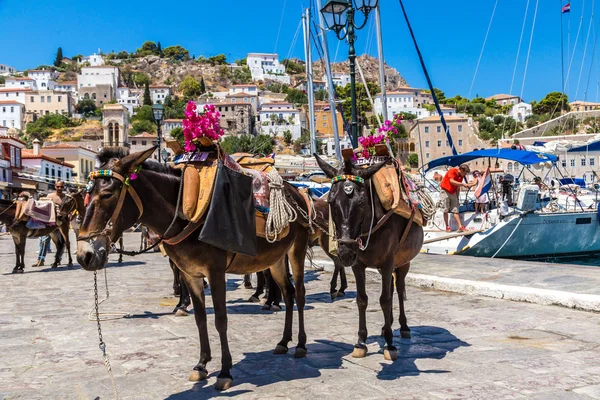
326	108
566	8
484	185
272	155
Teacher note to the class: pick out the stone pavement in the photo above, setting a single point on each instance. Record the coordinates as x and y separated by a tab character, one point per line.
463	347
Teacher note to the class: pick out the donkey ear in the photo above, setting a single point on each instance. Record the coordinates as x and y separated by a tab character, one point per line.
328	169
366	173
133	160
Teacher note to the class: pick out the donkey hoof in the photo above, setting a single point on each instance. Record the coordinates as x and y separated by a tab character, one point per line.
197	376
54	265
70	265
254	299
405	334
275	308
280	349
181	313
341	294
300	352
247	285
223	383
359	352
390	355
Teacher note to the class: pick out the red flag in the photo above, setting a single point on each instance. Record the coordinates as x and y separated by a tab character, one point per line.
566	8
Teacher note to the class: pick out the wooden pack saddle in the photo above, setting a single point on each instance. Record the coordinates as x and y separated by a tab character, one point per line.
200	177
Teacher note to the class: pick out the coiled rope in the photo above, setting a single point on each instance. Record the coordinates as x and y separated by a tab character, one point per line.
281	213
427	205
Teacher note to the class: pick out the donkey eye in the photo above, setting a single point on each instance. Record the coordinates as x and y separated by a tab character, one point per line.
105	195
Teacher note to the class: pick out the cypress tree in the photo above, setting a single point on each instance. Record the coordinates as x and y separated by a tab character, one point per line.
159	50
59	57
147	99
202	86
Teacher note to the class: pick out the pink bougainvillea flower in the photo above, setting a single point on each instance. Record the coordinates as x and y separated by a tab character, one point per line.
197	125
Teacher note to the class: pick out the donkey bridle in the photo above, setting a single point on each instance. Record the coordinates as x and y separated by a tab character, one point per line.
380	223
128	189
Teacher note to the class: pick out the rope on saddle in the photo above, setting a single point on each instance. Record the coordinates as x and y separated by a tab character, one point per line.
281	213
427	205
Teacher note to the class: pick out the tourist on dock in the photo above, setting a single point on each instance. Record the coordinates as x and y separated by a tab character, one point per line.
482	201
451	184
57	198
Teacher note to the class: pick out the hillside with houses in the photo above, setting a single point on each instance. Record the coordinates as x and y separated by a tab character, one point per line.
79	104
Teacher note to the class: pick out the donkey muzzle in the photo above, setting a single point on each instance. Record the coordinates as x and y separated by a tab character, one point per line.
92	255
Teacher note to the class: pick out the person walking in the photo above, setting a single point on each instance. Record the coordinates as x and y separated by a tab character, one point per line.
482	201
451	184
57	198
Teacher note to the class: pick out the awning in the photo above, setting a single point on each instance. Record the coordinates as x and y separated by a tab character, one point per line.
523	157
27	186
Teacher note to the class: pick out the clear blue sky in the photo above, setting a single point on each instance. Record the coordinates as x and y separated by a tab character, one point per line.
450	34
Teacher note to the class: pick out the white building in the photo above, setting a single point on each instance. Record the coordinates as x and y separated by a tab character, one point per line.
94	60
50	169
99	75
408	100
11	114
169	125
521	111
344	144
447	111
250	89
44	79
22	82
16	94
6	70
130	98
338	79
70	86
158	93
266	66
276	118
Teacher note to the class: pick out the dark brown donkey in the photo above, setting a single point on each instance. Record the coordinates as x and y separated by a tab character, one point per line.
20	232
368	236
157	188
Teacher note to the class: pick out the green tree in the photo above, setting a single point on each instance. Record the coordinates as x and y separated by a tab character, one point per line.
413	160
554	102
219	59
147	99
168	101
59	57
141	79
143	113
77	58
202	86
122	55
177	134
176	53
2	80
190	87
148	49
321	95
229	144
293	67
159	50
142	126
242	61
86	107
263	145
296	96
241	76
287	137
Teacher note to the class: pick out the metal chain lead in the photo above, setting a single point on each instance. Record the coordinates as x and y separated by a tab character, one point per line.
102	345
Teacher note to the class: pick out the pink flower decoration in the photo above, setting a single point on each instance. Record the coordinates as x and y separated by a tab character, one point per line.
205	124
133	176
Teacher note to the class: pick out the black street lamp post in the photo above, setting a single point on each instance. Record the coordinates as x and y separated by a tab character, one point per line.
158	112
339	17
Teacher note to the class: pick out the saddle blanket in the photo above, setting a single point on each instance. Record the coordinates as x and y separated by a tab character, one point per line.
41	210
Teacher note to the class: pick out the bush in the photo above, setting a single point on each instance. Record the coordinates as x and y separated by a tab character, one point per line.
413	160
142	126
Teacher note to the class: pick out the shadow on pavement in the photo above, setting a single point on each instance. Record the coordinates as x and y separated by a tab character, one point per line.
148	314
427	342
325	297
265	368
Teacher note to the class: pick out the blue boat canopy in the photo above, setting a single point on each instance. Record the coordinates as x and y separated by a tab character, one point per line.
523	157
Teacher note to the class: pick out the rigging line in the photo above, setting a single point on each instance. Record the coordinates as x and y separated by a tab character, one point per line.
529	48
482	49
595	33
587	40
280	23
568	69
294	40
512	83
336	51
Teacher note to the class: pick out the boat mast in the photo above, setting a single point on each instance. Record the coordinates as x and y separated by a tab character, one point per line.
381	61
309	80
330	87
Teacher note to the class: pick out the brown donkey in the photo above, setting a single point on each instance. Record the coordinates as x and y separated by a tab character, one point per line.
156	190
20	232
368	236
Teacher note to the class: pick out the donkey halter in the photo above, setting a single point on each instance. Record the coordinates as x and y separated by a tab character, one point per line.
107	173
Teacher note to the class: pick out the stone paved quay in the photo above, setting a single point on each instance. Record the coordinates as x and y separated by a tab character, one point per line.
463	346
